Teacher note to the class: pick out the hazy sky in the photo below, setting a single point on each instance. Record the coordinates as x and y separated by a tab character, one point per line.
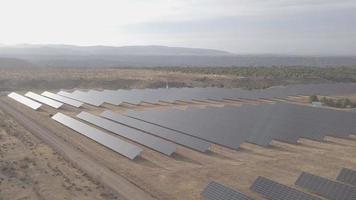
310	27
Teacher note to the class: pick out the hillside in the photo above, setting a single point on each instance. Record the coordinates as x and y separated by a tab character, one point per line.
46	50
158	56
14	63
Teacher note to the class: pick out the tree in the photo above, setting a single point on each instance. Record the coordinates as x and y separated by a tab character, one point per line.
313	98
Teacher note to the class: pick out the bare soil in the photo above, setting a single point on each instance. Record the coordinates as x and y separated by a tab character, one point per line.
30	169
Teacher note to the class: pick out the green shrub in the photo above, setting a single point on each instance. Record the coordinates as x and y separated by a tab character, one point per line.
313	98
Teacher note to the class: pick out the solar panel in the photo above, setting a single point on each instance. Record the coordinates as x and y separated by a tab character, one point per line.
217	191
228	126
199	123
114	97
347	176
259	124
145	139
44	100
124	148
326	188
62	99
105	96
179	138
275	191
81	96
286	122
135	96
24	100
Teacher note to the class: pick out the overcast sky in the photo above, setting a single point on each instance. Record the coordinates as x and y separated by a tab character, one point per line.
307	27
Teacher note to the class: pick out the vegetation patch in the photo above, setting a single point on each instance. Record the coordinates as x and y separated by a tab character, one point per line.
332	102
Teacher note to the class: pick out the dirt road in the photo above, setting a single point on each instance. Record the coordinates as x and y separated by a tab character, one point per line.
124	188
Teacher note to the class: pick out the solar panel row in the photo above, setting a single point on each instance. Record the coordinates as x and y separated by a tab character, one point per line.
217	191
136	96
179	138
145	139
193	122
347	176
81	96
24	100
275	191
326	188
124	148
44	100
62	99
259	124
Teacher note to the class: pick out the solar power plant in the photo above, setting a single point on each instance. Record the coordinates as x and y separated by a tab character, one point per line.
62	99
217	191
145	139
124	148
347	176
275	191
81	96
168	134
44	100
24	100
326	188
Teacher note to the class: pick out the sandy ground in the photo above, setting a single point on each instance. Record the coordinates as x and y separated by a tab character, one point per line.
30	169
185	174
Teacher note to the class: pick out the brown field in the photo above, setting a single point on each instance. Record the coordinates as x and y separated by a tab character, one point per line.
40	159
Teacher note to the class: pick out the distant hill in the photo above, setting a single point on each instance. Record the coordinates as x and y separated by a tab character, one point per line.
153	56
14	63
106	50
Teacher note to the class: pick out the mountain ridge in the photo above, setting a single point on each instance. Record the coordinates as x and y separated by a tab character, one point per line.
49	49
157	56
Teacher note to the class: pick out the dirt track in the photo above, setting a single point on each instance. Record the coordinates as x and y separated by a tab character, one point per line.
108	178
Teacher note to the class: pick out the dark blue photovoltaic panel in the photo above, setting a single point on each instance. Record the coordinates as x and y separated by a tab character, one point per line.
199	123
62	99
347	176
217	191
136	96
83	97
145	139
124	148
259	124
179	138
275	191
326	188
